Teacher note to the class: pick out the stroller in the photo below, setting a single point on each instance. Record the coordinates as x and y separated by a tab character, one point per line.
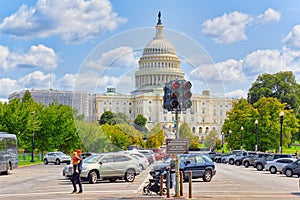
154	183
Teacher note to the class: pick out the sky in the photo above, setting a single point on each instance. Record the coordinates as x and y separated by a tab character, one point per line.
94	44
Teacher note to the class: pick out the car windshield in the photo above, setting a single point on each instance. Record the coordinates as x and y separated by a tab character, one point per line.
60	154
93	159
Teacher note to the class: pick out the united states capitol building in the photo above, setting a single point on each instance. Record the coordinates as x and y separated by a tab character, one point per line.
158	65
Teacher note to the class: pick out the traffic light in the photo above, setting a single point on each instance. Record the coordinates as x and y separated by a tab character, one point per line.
186	94
177	94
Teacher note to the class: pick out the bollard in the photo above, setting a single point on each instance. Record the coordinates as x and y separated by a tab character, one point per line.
181	183
161	184
190	184
168	184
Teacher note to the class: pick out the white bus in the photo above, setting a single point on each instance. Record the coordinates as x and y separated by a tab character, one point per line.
8	152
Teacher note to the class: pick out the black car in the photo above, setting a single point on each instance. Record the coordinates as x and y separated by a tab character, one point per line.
292	169
260	163
201	166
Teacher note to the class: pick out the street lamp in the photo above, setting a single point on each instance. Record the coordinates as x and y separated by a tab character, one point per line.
256	133
32	139
230	132
222	142
242	128
281	114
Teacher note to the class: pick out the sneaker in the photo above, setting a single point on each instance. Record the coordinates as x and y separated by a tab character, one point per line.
79	192
73	192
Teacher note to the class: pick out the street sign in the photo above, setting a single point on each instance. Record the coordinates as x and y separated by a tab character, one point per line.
177	146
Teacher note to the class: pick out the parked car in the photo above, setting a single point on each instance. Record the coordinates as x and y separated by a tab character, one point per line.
110	166
276	165
260	163
231	158
249	161
239	158
201	166
56	158
143	161
292	169
149	154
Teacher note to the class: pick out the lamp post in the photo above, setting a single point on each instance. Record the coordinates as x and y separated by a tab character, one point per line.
230	132
222	142
281	114
32	139
256	134
242	128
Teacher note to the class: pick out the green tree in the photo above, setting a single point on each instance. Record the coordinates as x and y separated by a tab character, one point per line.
156	137
121	118
107	118
211	139
94	140
140	123
185	132
266	111
119	139
281	85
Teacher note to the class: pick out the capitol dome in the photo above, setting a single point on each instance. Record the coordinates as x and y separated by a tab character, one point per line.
159	63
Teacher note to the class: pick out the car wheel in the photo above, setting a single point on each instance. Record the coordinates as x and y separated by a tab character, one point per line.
92	177
45	162
57	162
7	172
288	172
259	167
246	164
238	163
130	175
273	170
231	162
207	176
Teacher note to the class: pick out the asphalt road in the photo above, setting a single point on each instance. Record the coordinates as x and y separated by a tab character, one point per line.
231	182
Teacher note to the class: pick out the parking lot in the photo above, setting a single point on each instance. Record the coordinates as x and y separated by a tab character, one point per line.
230	182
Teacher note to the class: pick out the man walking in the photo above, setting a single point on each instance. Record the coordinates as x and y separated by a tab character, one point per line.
76	176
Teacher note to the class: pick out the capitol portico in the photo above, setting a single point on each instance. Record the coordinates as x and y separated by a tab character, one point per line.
158	65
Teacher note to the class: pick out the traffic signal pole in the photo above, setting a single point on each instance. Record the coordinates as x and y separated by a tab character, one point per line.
177	156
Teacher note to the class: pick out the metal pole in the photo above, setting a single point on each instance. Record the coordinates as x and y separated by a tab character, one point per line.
177	157
32	140
281	122
256	131
222	142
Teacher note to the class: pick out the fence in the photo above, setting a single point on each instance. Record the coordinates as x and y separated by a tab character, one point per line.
23	157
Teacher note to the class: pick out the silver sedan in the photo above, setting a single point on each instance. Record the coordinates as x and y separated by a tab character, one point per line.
276	165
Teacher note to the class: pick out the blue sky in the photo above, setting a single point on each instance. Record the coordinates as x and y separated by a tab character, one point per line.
56	43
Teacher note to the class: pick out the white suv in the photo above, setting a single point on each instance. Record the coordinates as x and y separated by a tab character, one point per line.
56	158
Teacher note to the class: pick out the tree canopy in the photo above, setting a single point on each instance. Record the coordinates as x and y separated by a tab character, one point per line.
281	85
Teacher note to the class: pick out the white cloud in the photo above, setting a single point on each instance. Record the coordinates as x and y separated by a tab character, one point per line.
232	27
7	86
230	70
237	94
67	82
120	57
292	40
38	56
73	20
266	61
269	15
37	80
227	28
